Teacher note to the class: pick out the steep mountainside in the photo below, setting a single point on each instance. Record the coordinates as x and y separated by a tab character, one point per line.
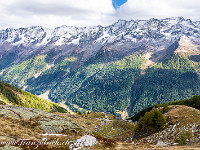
10	95
121	68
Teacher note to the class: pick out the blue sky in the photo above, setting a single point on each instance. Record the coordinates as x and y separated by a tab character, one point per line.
54	13
118	3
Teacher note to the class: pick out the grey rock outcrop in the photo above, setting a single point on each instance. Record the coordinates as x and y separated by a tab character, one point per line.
161	143
49	122
85	141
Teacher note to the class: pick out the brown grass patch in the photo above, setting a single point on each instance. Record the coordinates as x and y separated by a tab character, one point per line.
183	114
19	129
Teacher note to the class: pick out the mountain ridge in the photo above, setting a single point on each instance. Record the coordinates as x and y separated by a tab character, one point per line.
134	31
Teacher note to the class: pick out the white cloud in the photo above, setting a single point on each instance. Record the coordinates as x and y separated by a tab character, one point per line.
145	9
52	13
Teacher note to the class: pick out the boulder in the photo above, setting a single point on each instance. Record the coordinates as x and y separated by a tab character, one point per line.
161	143
85	141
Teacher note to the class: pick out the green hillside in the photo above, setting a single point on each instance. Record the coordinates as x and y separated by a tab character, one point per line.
110	86
172	79
51	77
192	102
109	83
18	74
14	96
101	87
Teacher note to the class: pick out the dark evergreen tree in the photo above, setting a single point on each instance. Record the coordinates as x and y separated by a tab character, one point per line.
151	122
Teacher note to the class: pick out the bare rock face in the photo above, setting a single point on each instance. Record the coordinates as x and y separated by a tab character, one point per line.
85	141
120	38
49	122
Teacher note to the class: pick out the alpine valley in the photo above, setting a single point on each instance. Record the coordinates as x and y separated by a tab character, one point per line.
122	68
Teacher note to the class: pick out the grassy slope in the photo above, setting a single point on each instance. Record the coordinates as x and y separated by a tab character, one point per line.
15	96
114	134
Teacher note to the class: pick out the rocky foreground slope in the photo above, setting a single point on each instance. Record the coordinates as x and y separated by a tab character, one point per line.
29	124
99	130
182	128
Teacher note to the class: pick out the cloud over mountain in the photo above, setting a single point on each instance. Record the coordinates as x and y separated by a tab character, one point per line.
143	9
52	13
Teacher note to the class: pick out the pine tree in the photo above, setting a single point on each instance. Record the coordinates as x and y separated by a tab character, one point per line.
151	122
165	108
159	120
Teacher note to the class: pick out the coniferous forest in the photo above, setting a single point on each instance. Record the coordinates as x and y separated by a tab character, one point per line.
104	85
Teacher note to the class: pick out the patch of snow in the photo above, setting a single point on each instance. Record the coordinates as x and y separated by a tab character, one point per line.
111	39
60	42
103	37
75	41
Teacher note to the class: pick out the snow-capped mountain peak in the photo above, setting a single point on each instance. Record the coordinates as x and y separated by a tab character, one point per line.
122	36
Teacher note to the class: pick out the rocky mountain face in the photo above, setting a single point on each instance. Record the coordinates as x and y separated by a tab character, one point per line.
119	39
121	68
